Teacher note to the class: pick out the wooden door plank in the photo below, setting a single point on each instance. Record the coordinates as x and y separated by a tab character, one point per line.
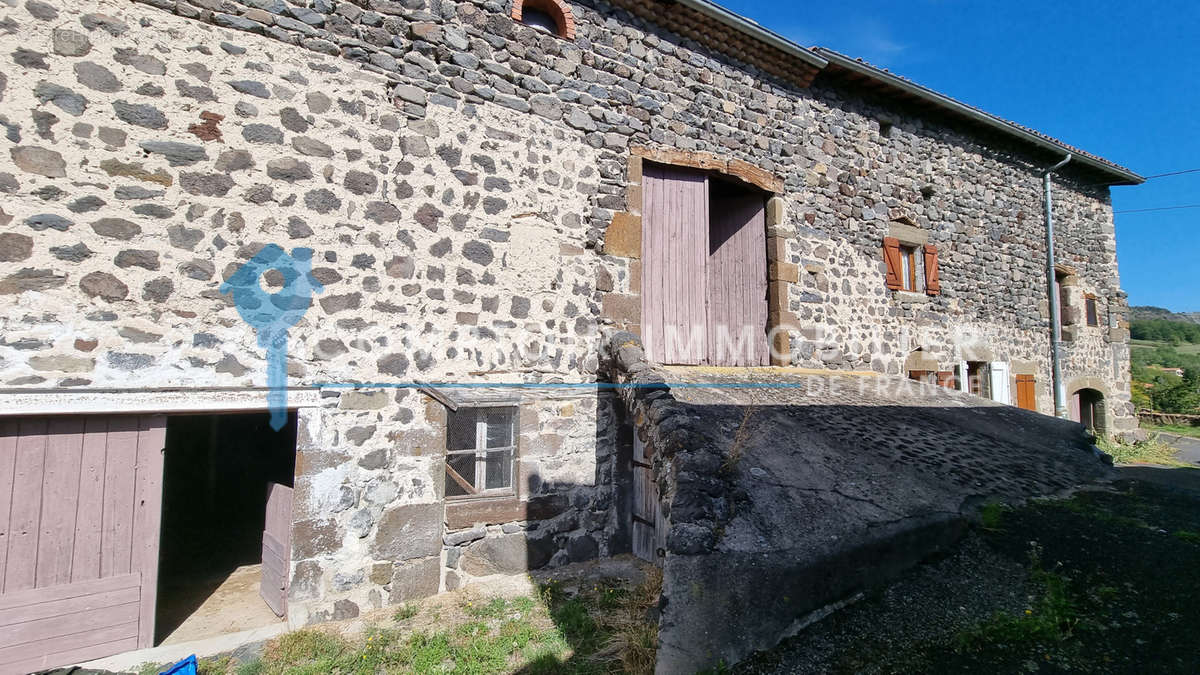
660	535
151	441
21	570
85	562
9	432
51	608
120	467
70	655
54	642
643	541
674	242
60	495
277	538
68	624
34	596
737	281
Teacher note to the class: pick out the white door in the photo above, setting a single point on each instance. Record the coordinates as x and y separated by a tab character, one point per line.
1001	390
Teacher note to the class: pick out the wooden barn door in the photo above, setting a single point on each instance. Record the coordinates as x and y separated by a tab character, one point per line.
704	269
649	525
737	280
674	257
277	548
80	507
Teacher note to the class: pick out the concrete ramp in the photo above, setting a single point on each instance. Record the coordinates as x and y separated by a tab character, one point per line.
789	491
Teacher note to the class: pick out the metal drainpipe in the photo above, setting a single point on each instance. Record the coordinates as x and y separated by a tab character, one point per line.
1060	395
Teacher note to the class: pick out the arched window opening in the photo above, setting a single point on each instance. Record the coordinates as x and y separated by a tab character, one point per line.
536	18
551	16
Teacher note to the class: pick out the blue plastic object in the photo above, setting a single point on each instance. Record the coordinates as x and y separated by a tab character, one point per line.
184	667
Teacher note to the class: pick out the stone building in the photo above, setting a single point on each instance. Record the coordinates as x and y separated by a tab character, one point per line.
476	191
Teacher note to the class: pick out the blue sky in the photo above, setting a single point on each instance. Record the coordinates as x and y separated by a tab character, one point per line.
1118	79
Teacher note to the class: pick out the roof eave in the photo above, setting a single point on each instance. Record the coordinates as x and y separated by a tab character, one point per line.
1120	175
753	29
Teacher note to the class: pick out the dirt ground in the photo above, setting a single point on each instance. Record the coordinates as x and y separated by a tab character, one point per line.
1105	582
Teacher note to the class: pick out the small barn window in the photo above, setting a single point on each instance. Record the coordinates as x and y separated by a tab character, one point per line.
480	446
551	16
536	18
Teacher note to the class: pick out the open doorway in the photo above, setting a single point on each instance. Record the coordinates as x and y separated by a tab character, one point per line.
218	472
1087	408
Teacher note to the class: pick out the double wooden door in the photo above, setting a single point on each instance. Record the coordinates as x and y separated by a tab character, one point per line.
704	275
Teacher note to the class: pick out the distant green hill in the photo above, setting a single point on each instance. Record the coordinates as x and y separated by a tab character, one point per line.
1150	312
1164	339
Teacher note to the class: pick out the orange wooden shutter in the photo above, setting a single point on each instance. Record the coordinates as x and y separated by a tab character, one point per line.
891	256
1026	392
932	286
945	378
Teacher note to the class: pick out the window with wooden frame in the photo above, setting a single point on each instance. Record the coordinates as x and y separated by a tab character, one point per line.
910	267
481	444
979	379
1093	313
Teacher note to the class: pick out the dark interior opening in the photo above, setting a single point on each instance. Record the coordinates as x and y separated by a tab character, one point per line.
539	19
215	478
1090	405
724	196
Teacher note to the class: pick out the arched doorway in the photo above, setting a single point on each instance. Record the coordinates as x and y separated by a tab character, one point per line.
1087	408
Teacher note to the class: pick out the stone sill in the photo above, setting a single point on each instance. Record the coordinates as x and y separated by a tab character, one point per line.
909	296
469	512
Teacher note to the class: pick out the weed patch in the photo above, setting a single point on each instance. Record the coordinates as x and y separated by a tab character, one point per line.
1152	451
603	627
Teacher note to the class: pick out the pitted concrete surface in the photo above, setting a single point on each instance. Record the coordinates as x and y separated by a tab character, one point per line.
791	490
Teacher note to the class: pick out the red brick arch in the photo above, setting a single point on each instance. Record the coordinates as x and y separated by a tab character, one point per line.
557	9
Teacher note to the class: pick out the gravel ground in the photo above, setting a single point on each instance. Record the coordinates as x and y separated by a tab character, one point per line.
1116	590
930	603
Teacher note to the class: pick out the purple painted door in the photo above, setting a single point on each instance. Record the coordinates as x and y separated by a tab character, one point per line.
277	548
737	280
80	507
674	254
704	270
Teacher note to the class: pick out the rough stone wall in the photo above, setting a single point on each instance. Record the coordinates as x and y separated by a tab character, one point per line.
455	174
982	208
147	156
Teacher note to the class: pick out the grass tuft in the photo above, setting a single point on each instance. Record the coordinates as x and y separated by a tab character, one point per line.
604	627
1152	451
407	611
991	515
1051	618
